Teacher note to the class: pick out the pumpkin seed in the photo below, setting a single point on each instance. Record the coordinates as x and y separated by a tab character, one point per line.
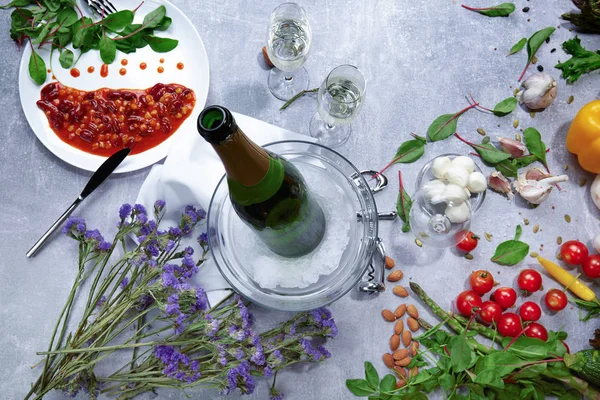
488	236
559	240
570	99
481	131
568	218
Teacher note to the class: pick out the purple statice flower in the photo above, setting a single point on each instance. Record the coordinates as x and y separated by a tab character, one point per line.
309	350
240	377
159	205
238	334
239	353
330	327
258	356
96	238
175	232
152	264
292	329
203	239
191	213
323	351
195	365
169	246
139	209
179	324
140	259
275	395
213	328
268	371
152	248
142	218
173	305
201	302
74	225
124	283
177	365
247	318
147	228
277	357
144	302
201	213
324	320
125	211
103	246
189	251
101	301
222	355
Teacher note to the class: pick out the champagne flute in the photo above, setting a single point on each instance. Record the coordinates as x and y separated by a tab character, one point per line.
338	102
288	45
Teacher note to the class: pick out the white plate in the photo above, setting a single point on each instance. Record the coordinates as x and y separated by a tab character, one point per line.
190	51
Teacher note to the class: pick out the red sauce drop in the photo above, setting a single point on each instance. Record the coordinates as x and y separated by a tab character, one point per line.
160	70
49	70
124	62
53	77
162	60
180	65
143	66
104	70
91	69
105	120
75	73
122	71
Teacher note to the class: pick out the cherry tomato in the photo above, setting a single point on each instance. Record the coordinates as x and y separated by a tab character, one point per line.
466	243
591	266
481	281
556	299
490	312
530	311
509	324
466	301
574	252
536	330
505	297
529	281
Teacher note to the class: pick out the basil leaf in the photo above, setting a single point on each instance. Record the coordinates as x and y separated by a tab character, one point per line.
505	107
508	168
359	387
535	145
388	383
118	20
37	68
155	18
501	10
108	49
66	17
371	375
510	252
410	151
536	40
461	355
443	127
66	58
160	44
517	47
165	24
403	205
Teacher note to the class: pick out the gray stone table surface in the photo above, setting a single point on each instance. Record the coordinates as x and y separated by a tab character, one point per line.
421	58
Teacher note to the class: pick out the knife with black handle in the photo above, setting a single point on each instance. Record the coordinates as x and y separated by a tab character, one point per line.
96	180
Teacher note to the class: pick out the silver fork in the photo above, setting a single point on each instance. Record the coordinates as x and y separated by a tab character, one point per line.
101	7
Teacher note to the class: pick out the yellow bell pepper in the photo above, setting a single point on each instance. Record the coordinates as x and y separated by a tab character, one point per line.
568	280
583	138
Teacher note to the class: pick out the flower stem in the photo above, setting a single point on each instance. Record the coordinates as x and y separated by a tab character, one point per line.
296	97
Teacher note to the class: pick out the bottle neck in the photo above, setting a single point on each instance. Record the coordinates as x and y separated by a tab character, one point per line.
245	162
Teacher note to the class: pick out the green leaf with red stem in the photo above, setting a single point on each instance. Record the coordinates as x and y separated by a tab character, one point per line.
117	21
501	10
403	205
108	49
517	47
535	145
505	107
154	18
445	125
508	168
37	67
487	151
534	43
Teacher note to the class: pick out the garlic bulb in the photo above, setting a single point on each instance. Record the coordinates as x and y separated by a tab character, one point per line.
464	162
458	214
512	146
477	182
499	183
539	93
457	175
595	191
434	189
439	166
536	192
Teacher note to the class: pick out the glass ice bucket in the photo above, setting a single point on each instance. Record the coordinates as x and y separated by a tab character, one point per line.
324	275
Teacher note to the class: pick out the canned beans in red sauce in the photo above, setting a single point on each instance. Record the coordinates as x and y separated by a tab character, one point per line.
105	120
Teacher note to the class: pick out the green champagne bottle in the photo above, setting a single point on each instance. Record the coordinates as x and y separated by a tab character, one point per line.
267	191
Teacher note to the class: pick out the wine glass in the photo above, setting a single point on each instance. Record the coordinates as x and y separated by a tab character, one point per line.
338	102
288	45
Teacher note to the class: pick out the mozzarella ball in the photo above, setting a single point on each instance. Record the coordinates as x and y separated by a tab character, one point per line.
454	194
457	175
465	162
477	182
439	166
457	214
433	189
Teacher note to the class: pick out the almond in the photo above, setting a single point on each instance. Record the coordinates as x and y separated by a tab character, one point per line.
400	383
389	262
266	56
394	342
388	315
399	327
399	312
413	349
406	337
404	362
388	360
413	372
413	324
400	354
412	311
400	291
395	276
400	371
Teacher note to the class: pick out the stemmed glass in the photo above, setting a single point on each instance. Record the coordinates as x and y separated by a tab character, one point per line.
338	102
287	47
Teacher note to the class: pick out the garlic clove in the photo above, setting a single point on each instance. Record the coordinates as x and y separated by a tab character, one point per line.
537	191
465	162
514	147
458	213
536	174
497	182
439	166
595	191
477	182
540	92
457	175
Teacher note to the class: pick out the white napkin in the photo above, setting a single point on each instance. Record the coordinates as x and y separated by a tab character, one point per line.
190	175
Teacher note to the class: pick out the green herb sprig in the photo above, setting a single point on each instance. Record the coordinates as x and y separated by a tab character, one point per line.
517	47
534	43
501	10
582	61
